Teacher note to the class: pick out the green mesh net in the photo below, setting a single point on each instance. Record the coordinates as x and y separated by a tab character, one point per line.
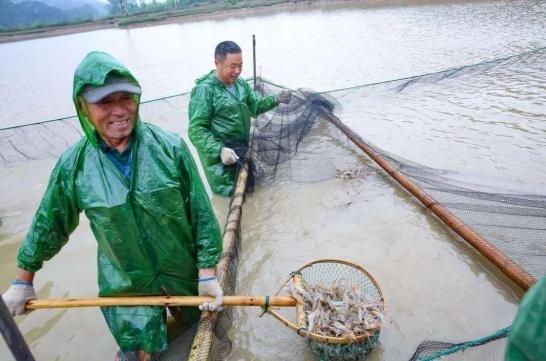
491	349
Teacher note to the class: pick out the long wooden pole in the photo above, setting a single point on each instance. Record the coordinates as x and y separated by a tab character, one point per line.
258	301
203	338
499	259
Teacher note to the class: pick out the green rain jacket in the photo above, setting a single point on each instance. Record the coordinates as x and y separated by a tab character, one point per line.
217	119
527	339
153	232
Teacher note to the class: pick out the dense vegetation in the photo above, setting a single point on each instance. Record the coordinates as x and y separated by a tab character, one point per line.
32	13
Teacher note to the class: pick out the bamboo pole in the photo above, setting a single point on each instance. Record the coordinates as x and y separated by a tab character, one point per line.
258	301
499	259
203	338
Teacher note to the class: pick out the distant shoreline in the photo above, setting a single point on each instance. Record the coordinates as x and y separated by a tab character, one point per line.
45	32
173	16
193	14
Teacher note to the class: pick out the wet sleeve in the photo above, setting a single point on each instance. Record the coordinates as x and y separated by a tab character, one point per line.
205	229
54	221
199	129
258	104
527	339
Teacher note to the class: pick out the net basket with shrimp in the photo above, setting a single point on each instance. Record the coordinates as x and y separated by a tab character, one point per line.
340	309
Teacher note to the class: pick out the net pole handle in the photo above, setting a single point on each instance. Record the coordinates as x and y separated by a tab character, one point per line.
257	301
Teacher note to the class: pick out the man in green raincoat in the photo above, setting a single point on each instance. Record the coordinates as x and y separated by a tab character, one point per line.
150	214
220	109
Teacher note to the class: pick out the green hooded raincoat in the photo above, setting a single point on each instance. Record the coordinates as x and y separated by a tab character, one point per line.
527	339
153	232
219	118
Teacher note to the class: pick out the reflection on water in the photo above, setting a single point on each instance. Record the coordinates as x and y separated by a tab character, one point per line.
488	123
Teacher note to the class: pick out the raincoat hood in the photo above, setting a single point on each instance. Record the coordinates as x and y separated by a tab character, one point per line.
93	70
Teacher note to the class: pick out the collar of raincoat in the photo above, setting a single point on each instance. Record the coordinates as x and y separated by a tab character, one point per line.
93	70
210	78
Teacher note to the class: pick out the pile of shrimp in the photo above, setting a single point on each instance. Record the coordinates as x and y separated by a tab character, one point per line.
338	311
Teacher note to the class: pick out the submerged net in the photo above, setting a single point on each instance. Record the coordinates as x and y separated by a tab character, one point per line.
513	221
277	135
212	341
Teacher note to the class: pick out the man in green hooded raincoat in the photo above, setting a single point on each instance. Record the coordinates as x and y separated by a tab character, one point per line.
150	214
220	109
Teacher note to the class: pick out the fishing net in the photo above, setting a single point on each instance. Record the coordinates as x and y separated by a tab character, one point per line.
491	349
512	221
329	274
277	135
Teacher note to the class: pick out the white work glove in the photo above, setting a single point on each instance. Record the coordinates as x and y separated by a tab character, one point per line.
209	286
228	156
17	296
283	97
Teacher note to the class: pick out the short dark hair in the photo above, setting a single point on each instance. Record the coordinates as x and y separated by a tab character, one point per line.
225	48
